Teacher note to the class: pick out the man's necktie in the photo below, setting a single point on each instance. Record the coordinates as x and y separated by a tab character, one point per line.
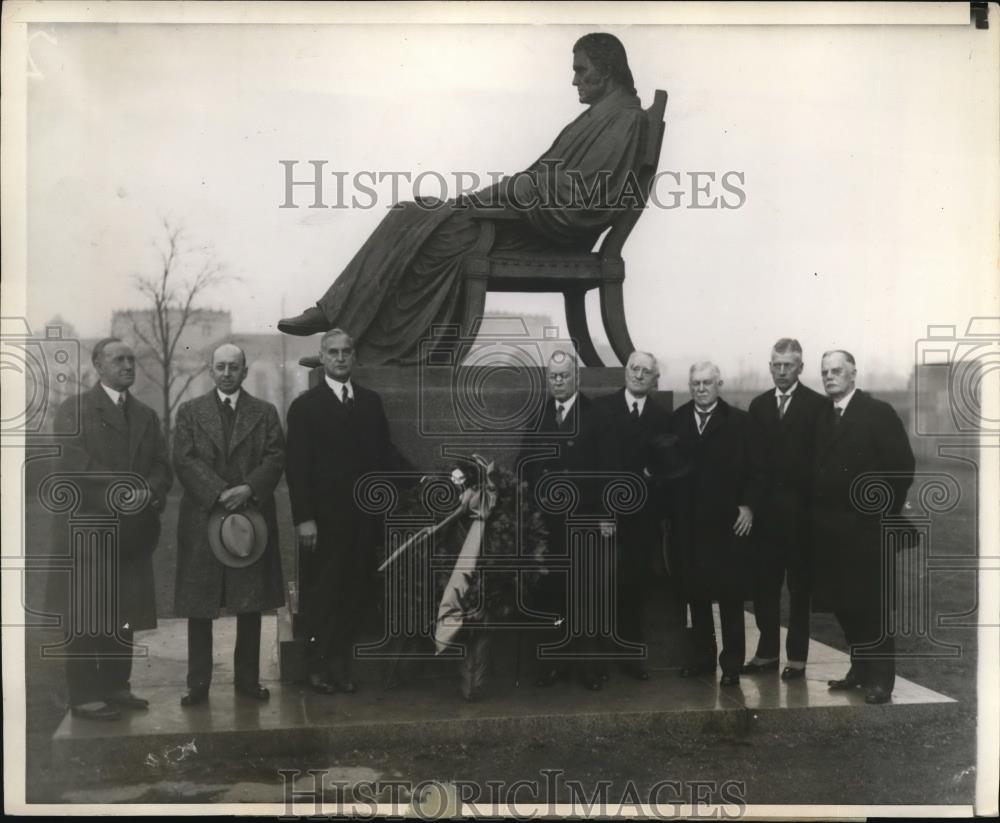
838	412
560	413
635	410
346	399
123	406
782	402
702	419
228	418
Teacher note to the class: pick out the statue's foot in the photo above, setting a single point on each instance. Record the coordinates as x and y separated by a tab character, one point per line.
311	321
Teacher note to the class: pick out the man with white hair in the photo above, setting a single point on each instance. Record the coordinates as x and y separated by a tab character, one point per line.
856	435
712	516
638	420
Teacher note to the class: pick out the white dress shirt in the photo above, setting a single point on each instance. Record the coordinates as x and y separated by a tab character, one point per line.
778	394
114	395
338	387
710	411
631	398
566	404
233	398
842	403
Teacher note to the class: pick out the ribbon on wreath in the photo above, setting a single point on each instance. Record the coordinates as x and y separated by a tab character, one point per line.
478	503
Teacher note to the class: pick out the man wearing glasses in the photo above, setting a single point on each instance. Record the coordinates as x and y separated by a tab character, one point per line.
584	447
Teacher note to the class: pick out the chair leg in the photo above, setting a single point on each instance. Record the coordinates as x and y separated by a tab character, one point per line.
576	320
613	315
475	306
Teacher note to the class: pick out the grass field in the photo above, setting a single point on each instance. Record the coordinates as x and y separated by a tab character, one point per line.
909	763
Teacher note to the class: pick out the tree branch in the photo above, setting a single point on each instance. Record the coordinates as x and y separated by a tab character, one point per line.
184	388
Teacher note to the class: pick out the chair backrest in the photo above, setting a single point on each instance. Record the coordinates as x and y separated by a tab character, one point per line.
649	159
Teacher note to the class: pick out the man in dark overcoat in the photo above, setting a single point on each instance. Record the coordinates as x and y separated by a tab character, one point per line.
857	435
117	434
711	520
786	417
637	421
229	452
583	442
337	432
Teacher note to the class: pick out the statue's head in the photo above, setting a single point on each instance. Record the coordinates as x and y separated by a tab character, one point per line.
599	66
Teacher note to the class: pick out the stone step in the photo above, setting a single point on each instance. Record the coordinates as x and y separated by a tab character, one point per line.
429	709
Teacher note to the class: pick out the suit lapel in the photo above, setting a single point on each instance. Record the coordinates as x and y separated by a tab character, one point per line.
688	422
715	420
335	403
247	414
849	416
139	419
834	433
206	413
107	410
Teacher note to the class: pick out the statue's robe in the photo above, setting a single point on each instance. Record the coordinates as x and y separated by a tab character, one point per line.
407	277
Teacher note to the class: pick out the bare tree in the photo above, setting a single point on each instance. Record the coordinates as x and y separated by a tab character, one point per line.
173	293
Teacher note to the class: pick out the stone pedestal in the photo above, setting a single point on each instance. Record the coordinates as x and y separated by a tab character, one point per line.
438	412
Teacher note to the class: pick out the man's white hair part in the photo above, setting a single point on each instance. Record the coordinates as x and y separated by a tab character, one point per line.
705	365
652	359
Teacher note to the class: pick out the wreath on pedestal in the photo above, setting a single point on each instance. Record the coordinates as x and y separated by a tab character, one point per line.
512	529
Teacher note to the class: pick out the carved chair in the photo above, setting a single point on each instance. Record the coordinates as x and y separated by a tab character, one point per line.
572	274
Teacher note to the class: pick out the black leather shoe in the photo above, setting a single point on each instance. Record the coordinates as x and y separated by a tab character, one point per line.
126	700
694	671
197	695
793	673
844	684
319	684
729	680
100	711
637	671
876	696
311	321
759	668
253	690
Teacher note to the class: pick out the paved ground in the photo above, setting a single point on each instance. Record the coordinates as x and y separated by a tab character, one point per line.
909	762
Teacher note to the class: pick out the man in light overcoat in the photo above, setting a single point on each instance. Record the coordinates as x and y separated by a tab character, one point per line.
229	451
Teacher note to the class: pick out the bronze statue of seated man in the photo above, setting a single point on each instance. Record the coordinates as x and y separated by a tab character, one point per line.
407	277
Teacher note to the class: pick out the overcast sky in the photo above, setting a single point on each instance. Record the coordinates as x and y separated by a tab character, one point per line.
869	158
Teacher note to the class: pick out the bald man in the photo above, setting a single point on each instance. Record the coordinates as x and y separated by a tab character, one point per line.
229	452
